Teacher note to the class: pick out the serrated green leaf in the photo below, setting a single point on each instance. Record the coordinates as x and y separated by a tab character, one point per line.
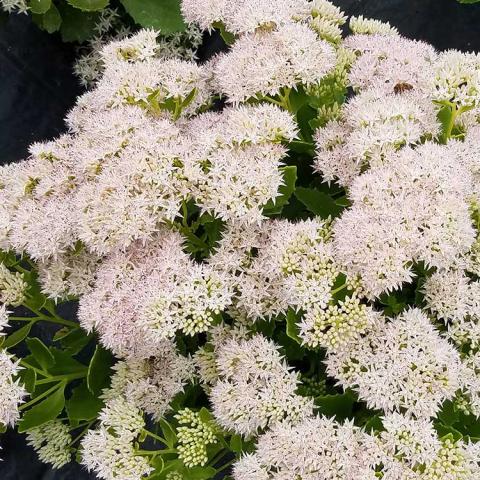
44	411
77	26
17	336
83	405
289	174
99	370
318	203
298	98
39	6
292	327
163	15
89	5
168	433
40	352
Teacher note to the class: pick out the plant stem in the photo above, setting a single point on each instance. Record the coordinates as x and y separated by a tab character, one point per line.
223	467
156	437
185	214
155	452
81	434
46	318
25	319
67	378
41	396
339	289
217	457
27	365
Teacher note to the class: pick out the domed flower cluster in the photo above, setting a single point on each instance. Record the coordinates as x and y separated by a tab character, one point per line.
280	246
256	388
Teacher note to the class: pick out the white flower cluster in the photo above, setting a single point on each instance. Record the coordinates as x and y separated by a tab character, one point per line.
256	389
109	450
413	208
13	287
17	6
318	448
371	126
144	295
400	366
51	441
411	450
12	393
265	62
4	316
151	383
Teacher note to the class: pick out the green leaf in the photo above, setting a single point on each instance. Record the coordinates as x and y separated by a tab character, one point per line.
205	415
444	115
77	26
285	191
339	406
199	473
65	364
168	433
44	411
99	370
83	405
449	432
292	327
468	1
318	203
89	5
75	340
298	98
39	6
374	423
17	336
236	443
228	38
62	333
163	15
40	352
448	415
28	377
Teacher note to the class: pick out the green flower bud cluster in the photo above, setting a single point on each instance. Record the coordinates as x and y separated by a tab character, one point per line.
312	387
194	435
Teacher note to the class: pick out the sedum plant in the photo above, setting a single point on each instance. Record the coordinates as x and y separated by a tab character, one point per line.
272	259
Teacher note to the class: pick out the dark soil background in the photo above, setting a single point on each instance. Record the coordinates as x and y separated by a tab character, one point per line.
37	88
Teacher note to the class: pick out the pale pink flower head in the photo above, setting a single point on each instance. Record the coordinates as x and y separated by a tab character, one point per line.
318	448
265	62
391	63
402	366
241	16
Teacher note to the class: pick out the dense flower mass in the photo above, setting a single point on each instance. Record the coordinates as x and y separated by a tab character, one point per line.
275	254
